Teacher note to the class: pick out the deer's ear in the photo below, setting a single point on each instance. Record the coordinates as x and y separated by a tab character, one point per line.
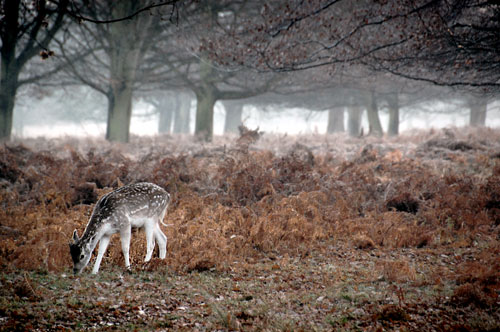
75	236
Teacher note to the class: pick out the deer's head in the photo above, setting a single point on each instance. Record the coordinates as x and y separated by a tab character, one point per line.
80	253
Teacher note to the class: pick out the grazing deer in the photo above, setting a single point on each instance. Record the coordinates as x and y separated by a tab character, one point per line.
140	205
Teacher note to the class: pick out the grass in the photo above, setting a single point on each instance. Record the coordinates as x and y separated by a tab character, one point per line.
260	297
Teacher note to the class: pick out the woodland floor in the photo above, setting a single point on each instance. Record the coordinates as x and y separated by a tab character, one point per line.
309	233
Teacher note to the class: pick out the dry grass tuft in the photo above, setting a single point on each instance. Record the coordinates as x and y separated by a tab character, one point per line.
470	294
392	312
361	241
398	271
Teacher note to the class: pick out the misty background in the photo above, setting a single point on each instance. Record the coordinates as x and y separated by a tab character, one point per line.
204	68
81	115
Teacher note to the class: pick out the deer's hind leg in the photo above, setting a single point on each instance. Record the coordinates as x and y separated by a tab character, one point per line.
159	236
162	241
125	235
149	229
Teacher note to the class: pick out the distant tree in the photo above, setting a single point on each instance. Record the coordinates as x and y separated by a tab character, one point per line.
182	113
26	30
117	48
173	108
165	116
393	106
164	105
234	112
191	69
335	120
451	43
354	120
478	106
373	116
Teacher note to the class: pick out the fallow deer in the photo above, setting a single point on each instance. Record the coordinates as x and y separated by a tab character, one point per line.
140	205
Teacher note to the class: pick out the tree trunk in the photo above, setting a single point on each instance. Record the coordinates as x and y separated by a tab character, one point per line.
477	111
166	109
9	75
8	89
335	120
354	120
205	101
373	118
182	114
234	110
127	39
165	121
206	97
9	72
393	105
22	38
119	114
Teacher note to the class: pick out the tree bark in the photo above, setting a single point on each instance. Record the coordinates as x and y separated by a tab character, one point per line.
393	105
477	111
354	120
182	114
205	101
234	111
335	120
373	118
9	76
8	90
127	39
119	114
166	109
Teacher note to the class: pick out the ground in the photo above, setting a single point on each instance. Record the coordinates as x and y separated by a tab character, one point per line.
272	233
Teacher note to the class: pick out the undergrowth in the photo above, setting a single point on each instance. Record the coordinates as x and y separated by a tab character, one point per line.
237	202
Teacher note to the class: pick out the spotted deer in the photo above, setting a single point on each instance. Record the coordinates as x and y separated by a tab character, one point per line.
140	205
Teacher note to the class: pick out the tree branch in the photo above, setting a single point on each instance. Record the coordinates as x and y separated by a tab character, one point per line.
81	18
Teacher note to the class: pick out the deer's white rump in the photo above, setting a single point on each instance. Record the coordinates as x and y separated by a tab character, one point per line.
140	205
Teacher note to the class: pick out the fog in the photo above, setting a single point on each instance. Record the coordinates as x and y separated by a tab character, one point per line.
207	69
46	119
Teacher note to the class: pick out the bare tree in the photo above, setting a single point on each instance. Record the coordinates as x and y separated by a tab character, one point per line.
191	68
335	120
478	105
116	55
26	30
234	112
452	43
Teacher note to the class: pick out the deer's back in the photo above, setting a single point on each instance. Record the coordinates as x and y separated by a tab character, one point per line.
135	200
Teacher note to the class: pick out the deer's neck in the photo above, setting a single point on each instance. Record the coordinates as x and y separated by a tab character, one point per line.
93	232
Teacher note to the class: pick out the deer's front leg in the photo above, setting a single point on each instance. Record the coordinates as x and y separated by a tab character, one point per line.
103	245
125	235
